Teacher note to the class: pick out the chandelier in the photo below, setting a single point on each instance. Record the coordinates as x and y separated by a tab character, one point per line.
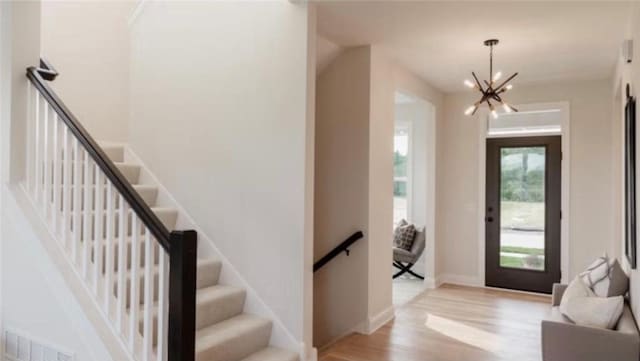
491	93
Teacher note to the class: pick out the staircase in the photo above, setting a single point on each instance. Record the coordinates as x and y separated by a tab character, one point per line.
224	332
155	296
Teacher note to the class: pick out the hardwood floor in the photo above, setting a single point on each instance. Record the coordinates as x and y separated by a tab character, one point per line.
453	323
406	289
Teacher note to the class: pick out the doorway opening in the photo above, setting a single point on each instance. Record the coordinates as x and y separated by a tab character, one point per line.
524	199
413	193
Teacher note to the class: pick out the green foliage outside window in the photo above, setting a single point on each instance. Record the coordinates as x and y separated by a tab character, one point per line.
522	178
399	170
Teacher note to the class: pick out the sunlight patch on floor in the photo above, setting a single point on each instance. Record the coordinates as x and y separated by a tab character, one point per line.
464	333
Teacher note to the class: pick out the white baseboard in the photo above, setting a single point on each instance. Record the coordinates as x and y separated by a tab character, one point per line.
372	324
430	283
310	354
461	280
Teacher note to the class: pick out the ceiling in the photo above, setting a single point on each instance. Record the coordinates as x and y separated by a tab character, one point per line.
443	41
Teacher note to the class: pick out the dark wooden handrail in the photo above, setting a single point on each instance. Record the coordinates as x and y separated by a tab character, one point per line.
342	247
38	76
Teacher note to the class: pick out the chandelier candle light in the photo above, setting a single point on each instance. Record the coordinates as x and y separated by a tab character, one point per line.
490	92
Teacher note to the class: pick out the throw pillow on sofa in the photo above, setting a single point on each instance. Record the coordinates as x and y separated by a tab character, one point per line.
606	278
582	306
404	235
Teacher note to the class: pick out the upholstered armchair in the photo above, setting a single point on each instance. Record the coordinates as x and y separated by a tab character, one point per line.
404	260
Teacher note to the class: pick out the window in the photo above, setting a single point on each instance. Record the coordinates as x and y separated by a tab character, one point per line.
533	122
401	173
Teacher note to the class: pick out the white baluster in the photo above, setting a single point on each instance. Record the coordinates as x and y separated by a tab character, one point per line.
31	92
163	311
122	254
38	141
56	177
134	303
67	184
87	239
99	233
109	247
77	228
46	187
147	343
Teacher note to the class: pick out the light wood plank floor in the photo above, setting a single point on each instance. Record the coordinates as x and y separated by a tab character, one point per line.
453	323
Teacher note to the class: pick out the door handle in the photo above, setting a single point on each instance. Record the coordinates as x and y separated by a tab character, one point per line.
489	219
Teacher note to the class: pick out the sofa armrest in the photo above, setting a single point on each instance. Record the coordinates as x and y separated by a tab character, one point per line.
570	342
556	295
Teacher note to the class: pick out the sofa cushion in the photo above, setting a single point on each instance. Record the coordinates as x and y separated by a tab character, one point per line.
605	277
584	308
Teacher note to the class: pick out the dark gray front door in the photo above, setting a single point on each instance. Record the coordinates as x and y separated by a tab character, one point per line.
523	213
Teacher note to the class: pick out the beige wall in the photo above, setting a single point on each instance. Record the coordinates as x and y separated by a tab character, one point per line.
591	228
341	193
227	134
354	188
88	43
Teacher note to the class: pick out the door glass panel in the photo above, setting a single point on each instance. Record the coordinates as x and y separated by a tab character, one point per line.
522	207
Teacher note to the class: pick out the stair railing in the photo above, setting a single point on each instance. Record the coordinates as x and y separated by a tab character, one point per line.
141	275
342	247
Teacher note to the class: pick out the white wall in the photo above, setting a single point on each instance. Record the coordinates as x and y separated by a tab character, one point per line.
35	297
88	43
219	114
354	188
591	228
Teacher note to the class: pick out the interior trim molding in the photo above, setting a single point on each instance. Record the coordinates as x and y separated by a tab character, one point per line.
379	320
565	203
430	283
459	280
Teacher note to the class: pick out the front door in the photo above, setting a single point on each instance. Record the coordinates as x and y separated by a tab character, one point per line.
523	213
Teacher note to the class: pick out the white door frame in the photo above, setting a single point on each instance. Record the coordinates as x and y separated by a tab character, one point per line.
409	127
483	117
430	222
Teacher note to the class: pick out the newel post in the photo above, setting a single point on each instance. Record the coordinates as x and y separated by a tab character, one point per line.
182	295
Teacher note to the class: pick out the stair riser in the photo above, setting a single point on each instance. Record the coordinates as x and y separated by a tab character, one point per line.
219	310
238	347
208	274
206	314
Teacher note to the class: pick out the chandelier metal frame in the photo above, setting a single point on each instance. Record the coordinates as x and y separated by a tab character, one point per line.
490	92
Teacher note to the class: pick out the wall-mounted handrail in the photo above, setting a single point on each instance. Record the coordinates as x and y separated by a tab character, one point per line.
342	247
38	75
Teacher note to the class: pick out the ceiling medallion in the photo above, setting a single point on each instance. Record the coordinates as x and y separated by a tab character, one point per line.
491	94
